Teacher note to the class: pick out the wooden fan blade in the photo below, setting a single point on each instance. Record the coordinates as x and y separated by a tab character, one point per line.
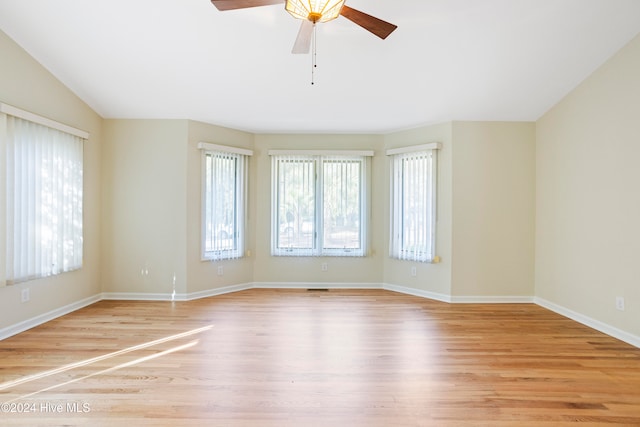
370	23
303	41
242	4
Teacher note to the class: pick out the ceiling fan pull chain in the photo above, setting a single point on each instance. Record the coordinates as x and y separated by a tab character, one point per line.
313	54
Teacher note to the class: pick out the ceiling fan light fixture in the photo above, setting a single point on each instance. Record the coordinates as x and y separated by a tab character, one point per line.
314	10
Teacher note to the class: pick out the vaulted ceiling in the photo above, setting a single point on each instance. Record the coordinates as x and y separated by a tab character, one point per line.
448	60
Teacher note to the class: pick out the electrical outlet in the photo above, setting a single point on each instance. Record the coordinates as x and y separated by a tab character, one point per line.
25	295
324	266
220	270
620	303
414	272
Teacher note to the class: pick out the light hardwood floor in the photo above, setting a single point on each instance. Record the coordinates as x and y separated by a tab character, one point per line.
312	358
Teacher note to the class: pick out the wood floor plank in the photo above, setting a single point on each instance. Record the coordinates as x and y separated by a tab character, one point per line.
337	358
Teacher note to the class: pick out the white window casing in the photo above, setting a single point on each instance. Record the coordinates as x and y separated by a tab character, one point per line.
413	181
320	202
224	201
43	199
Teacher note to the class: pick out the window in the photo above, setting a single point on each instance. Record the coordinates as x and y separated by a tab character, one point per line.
44	196
413	201
319	203
224	201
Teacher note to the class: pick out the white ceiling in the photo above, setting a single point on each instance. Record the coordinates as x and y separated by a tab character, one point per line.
448	60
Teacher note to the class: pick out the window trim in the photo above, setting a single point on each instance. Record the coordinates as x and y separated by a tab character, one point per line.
394	252
32	117
10	110
318	157
82	137
414	148
209	148
326	153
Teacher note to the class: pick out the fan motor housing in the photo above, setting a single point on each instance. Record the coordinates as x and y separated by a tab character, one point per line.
314	17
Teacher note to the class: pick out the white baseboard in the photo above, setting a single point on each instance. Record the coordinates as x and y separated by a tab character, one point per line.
213	292
588	321
46	317
136	296
417	292
314	285
480	299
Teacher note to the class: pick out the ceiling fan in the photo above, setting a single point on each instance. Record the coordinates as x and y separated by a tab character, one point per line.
312	12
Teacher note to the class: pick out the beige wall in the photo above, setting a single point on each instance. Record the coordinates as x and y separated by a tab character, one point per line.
144	206
434	279
153	168
493	209
203	275
296	270
27	85
588	196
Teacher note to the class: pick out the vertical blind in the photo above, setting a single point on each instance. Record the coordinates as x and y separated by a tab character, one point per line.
319	205
413	187
294	192
343	198
44	194
224	201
